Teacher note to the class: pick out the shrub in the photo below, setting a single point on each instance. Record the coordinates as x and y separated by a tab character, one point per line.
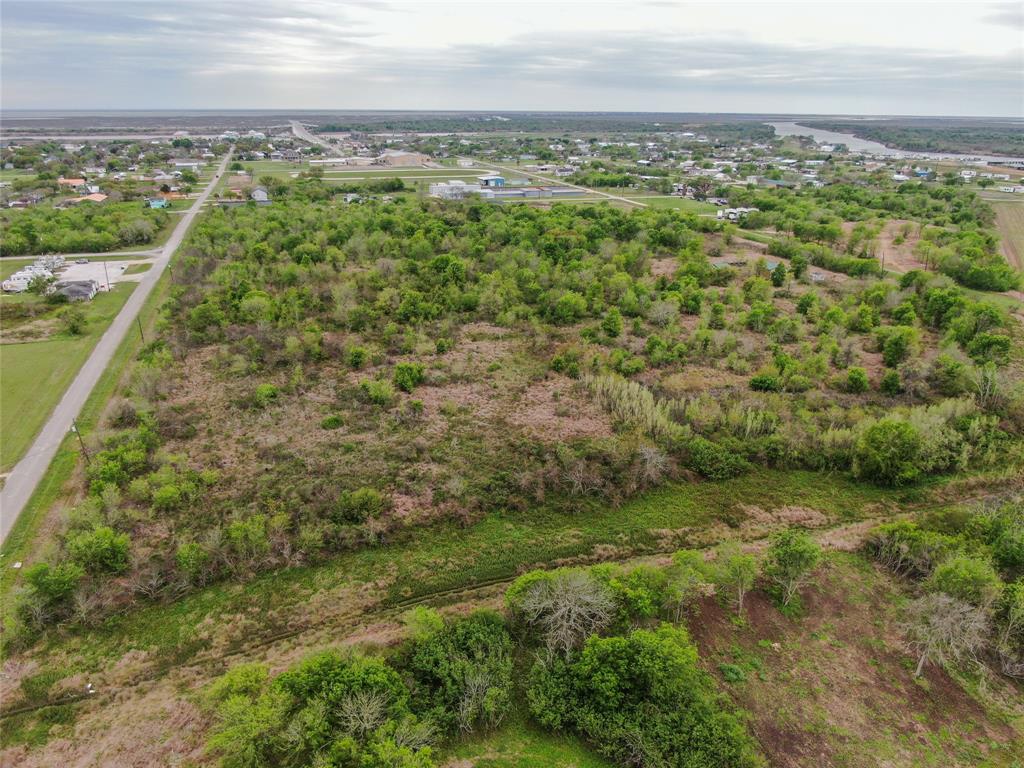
790	559
611	324
714	461
359	505
100	550
264	395
765	382
907	549
334	421
379	392
897	343
888	452
569	308
857	381
641	700
53	584
357	357
462	673
408	376
193	560
890	383
970	579
73	320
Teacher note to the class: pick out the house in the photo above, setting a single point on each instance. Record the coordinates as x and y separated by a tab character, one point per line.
465	162
260	195
73	183
901	177
77	290
491	180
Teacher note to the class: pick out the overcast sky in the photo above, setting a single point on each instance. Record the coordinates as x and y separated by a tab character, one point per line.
826	57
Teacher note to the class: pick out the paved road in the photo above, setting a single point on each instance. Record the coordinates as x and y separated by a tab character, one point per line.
27	473
305	134
96	255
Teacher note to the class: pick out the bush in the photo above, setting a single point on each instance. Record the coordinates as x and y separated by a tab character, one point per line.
264	395
357	357
53	584
378	392
193	560
327	710
408	376
890	383
611	324
857	381
888	453
334	421
970	579
641	700
360	505
714	461
766	382
100	550
73	320
462	673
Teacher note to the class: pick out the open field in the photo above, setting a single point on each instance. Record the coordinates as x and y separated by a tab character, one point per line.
1010	223
346	412
36	373
673	201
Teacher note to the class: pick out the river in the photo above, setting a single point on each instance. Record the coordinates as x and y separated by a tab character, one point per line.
856	144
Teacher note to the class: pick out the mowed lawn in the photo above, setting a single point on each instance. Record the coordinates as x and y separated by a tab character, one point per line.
1010	223
679	203
35	374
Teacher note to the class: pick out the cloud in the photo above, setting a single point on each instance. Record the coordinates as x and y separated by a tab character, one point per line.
319	54
1007	15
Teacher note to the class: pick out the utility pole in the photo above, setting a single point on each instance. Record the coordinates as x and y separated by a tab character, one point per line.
141	334
105	275
78	434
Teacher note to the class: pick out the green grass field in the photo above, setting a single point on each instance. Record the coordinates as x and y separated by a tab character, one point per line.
678	203
9	266
1010	223
35	374
517	744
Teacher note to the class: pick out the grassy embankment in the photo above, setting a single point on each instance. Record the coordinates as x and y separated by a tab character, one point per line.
35	374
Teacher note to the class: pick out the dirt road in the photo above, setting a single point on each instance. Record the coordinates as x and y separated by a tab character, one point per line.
23	479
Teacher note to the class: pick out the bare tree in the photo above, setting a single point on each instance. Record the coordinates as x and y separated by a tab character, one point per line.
363	712
942	629
653	464
568	607
475	685
415	734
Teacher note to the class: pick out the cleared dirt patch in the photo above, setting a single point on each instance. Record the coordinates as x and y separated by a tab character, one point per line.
833	687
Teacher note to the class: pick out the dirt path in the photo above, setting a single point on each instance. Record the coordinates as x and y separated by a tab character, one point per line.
138	698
